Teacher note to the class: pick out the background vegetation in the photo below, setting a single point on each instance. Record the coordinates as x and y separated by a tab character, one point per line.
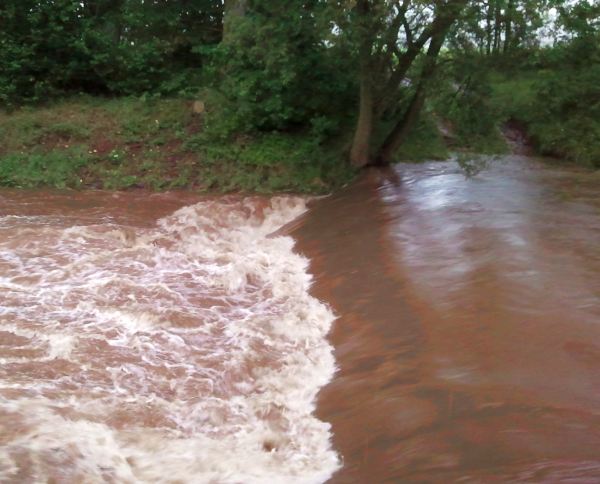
261	95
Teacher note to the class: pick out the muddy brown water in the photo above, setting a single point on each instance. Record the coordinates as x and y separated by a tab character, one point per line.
468	338
171	337
158	338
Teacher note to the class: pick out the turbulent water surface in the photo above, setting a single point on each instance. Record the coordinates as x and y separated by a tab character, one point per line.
158	338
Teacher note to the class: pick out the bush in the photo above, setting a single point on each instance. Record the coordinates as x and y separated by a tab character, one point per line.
52	48
565	119
278	74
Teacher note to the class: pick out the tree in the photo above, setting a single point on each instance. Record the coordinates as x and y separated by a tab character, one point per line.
390	37
501	27
101	46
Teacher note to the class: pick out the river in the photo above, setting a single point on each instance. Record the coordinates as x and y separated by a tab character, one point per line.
177	338
468	342
158	338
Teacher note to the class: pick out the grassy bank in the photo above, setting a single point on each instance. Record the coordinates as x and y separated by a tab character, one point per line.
559	111
157	144
163	144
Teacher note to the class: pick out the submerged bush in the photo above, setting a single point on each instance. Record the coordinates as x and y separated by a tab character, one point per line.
464	99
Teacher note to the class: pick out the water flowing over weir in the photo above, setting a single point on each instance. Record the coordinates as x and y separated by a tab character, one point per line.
158	338
468	338
172	338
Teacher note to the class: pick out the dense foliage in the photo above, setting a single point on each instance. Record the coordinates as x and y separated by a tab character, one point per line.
550	89
365	81
52	47
275	72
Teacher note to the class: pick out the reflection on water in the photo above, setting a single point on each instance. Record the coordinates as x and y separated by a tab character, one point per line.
469	337
508	265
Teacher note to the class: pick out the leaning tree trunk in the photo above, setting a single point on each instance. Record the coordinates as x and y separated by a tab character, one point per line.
360	152
400	131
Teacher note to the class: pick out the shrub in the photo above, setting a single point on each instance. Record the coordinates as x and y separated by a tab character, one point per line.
565	119
279	75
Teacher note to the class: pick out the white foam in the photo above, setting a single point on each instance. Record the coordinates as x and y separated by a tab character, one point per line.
192	351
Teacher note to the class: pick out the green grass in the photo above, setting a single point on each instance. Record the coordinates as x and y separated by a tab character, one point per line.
158	144
270	162
58	169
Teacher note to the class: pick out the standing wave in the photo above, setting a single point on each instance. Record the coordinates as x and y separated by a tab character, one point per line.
190	351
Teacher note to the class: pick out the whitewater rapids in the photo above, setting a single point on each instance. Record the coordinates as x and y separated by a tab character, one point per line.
185	349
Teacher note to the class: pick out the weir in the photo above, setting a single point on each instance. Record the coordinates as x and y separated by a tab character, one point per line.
469	308
147	339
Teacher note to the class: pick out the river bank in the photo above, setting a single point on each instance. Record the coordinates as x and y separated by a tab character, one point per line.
158	145
161	144
468	312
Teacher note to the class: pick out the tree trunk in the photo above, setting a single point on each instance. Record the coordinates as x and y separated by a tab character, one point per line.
442	21
497	27
400	131
508	31
402	128
488	27
360	153
391	89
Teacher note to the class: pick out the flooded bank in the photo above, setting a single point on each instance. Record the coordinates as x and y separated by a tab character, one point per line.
468	342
